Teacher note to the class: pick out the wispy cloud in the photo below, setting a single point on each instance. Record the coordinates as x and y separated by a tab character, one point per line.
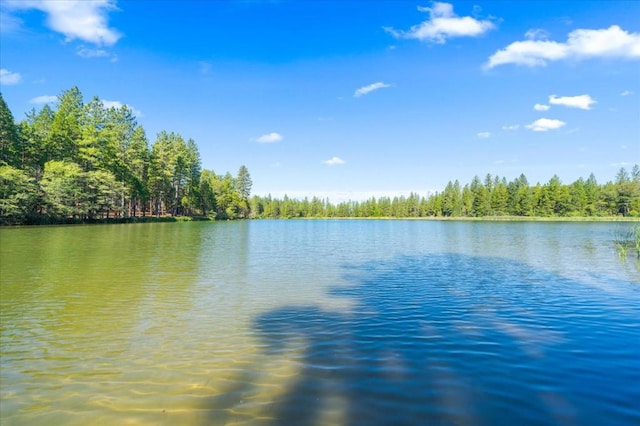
87	52
269	138
483	135
626	93
8	78
443	24
370	88
205	67
334	161
511	127
612	42
76	19
117	105
541	107
536	34
545	124
9	23
44	99
581	101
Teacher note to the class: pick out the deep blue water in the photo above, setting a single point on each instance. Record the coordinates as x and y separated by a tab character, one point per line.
458	339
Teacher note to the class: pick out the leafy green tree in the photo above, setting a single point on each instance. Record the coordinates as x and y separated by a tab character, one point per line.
19	195
578	198
34	132
634	202
62	183
608	200
101	194
206	192
227	198
174	171
627	192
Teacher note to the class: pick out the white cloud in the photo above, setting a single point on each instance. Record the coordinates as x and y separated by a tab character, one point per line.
442	24
545	124
334	161
8	78
370	88
44	99
76	19
581	101
85	52
483	135
536	34
612	42
269	138
626	93
511	127
117	105
541	107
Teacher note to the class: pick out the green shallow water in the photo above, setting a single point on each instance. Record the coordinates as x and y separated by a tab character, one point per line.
317	322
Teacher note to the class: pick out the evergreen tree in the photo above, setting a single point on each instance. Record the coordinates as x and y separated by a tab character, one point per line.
66	132
9	139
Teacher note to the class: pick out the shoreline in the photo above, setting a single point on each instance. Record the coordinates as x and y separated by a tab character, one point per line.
182	219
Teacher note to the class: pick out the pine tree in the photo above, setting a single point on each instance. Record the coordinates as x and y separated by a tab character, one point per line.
9	139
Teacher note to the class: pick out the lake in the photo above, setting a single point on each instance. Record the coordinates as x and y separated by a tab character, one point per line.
319	322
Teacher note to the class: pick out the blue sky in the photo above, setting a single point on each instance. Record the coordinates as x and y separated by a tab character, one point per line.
349	99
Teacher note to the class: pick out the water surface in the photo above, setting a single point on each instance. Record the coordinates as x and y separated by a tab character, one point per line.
319	322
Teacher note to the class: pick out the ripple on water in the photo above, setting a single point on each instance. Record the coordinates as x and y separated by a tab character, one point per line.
229	332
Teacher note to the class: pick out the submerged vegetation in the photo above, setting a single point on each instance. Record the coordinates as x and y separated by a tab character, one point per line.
84	162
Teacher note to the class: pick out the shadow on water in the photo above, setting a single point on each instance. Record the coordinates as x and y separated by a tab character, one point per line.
455	339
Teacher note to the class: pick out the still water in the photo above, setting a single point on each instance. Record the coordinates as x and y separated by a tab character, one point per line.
319	322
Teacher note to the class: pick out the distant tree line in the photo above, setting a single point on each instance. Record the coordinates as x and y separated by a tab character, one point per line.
493	196
85	161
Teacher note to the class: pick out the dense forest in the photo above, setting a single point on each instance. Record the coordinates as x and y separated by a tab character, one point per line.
86	162
493	196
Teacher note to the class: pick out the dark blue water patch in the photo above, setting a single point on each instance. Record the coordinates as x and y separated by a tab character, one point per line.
455	339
